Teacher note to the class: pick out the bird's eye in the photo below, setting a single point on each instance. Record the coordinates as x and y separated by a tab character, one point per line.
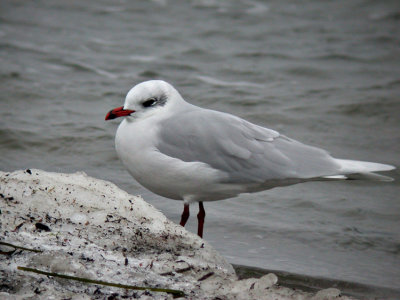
149	102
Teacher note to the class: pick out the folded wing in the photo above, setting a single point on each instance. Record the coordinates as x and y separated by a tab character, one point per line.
245	152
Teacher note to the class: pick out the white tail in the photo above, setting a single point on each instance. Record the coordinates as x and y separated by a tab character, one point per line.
355	169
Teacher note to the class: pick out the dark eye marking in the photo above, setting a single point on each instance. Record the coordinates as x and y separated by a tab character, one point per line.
153	101
149	102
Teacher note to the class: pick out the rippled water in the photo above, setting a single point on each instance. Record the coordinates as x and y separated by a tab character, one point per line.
323	72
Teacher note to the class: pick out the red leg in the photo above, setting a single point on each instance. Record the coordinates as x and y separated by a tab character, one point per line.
185	214
200	217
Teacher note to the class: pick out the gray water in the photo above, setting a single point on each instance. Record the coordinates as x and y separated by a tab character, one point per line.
324	72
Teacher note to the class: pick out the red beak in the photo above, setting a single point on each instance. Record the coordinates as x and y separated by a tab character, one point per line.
118	112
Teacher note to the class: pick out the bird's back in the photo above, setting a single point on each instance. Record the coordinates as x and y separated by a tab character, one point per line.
245	152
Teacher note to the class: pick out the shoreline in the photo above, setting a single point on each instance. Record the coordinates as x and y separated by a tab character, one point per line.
89	228
314	284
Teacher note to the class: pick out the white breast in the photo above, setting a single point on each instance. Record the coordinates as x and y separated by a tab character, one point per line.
136	145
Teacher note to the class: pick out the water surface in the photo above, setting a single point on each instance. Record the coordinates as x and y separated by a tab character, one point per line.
323	72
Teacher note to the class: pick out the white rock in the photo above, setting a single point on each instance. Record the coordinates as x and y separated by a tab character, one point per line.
266	281
327	294
100	232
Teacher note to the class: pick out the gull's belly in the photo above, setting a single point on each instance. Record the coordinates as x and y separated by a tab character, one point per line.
176	179
167	176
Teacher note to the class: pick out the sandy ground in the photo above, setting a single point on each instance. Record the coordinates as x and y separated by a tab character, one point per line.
89	228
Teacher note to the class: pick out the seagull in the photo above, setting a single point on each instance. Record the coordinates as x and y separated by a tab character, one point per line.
184	152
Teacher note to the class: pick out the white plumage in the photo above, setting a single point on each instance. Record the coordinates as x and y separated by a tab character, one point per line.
184	152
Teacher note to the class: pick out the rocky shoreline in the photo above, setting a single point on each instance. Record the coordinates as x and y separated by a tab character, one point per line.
82	227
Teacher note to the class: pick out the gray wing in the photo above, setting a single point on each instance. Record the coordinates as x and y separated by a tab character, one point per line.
247	153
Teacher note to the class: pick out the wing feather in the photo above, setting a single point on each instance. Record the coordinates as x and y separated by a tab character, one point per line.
247	153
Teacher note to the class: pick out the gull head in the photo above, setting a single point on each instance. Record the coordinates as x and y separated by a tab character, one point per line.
146	99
